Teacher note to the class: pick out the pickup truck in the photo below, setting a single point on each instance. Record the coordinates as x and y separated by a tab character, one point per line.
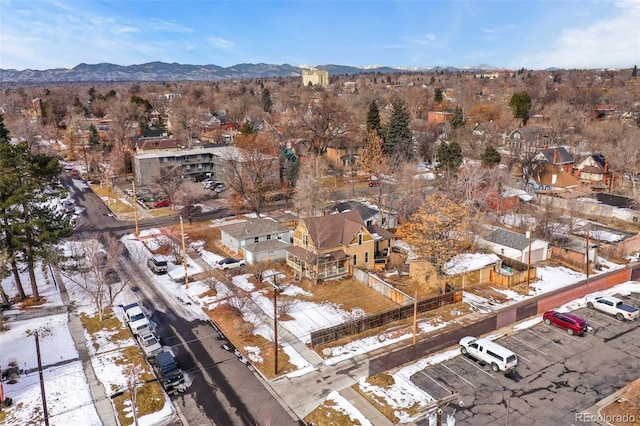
136	319
169	373
149	344
613	306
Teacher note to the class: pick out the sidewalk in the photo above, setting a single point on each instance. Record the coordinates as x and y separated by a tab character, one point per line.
103	405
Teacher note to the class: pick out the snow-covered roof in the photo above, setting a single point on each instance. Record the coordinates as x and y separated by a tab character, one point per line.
468	262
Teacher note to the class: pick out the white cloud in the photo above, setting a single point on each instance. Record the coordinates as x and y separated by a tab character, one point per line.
221	43
609	43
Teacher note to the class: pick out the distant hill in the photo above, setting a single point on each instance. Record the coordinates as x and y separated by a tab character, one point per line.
162	71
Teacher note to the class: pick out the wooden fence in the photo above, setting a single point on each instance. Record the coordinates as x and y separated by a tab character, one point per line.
351	328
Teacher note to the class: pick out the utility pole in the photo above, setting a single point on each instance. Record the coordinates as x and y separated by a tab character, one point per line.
276	289
587	253
45	412
135	206
415	317
184	255
530	237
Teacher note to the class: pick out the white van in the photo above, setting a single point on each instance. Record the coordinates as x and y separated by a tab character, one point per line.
487	351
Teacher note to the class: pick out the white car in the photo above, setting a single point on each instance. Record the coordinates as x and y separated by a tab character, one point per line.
231	263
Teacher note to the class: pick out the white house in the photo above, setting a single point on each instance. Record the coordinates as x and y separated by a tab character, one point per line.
258	239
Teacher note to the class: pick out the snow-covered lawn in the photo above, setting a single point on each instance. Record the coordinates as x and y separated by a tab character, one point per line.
67	385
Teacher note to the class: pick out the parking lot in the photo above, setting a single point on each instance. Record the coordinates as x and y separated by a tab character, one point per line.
558	375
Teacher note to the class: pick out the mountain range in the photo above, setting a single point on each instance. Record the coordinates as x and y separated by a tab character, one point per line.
162	71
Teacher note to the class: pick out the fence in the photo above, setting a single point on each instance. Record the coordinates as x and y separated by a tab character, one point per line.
382	287
503	318
351	328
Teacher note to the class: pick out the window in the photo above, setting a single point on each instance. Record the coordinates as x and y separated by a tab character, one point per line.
305	240
269	237
355	259
256	239
495	355
366	257
360	239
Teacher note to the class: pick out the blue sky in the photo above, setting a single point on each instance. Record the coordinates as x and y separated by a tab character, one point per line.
42	34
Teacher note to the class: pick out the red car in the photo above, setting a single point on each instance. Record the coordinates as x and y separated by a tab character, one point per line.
570	322
375	183
161	203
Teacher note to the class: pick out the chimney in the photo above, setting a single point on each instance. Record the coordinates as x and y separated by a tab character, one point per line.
555	156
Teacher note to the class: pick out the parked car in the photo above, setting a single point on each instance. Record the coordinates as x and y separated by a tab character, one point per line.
157	265
208	183
375	183
136	318
231	263
613	306
149	344
220	187
567	321
489	352
161	203
75	172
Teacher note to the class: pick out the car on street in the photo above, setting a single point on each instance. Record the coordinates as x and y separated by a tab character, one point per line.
220	187
373	183
231	263
161	203
75	172
573	324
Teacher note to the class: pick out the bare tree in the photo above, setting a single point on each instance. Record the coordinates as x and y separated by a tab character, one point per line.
325	121
93	268
310	195
251	173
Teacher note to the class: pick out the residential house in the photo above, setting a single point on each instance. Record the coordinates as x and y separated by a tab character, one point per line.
514	245
345	153
527	137
369	214
508	200
557	156
594	171
257	240
571	251
326	247
439	117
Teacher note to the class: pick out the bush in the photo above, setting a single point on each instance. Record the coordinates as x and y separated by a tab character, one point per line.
8	402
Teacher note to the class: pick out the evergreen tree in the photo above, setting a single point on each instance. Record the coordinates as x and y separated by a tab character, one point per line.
458	121
449	157
399	138
373	118
634	73
438	96
491	157
267	103
247	129
520	103
94	136
29	221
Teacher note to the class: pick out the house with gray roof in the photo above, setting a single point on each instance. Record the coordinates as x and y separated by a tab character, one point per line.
514	245
258	239
371	215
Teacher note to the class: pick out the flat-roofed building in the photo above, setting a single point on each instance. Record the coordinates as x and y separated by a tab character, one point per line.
315	77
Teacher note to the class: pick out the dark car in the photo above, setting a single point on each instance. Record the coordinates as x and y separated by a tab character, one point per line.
570	322
375	183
